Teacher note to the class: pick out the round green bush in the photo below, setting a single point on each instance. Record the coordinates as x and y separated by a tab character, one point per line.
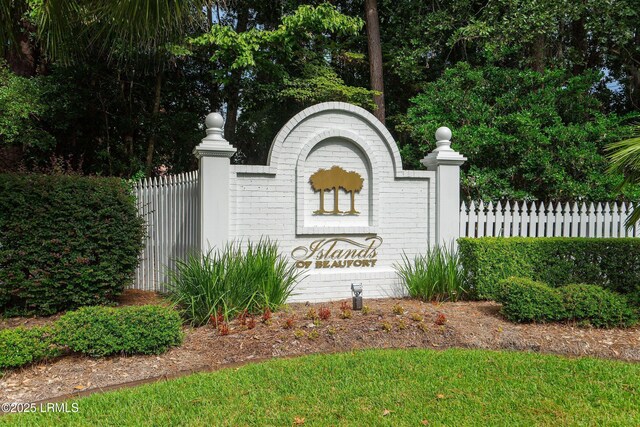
597	306
524	300
102	331
21	346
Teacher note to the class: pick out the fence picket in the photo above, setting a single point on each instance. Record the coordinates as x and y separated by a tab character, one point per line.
515	222
499	227
575	219
491	219
507	220
481	219
524	220
606	219
464	219
473	220
557	219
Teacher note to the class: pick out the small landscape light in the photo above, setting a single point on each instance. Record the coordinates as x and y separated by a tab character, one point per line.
356	289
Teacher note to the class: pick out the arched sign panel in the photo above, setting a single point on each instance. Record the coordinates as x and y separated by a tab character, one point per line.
335	197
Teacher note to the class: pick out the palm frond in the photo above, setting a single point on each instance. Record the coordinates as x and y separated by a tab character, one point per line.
115	28
624	158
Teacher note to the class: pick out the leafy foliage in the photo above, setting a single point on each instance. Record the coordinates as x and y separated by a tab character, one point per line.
437	275
307	24
528	135
103	331
555	260
261	64
525	300
597	306
23	104
318	84
252	277
66	241
21	346
276	71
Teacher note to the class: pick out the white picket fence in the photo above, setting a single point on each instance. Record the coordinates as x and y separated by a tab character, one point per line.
171	210
531	219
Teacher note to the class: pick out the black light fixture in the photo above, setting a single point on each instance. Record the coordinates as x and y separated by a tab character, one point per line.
356	290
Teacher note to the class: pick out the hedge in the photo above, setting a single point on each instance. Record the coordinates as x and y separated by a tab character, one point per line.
65	241
611	263
525	300
95	331
21	346
102	331
596	306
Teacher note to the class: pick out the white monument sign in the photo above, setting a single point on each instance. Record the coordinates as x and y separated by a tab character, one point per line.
334	196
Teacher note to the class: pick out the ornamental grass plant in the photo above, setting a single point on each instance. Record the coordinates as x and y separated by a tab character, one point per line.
435	276
230	280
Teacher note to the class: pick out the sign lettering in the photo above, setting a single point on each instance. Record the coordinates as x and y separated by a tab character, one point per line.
338	252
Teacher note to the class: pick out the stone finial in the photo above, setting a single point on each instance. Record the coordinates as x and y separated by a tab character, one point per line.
214	124
443	153
214	144
443	139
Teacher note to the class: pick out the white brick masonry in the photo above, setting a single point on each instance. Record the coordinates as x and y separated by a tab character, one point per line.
396	209
277	200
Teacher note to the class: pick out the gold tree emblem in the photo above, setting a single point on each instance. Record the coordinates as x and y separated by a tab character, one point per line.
335	179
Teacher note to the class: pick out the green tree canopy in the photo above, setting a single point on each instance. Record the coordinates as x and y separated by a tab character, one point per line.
528	135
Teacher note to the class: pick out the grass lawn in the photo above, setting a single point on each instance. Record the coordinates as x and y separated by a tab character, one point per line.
377	387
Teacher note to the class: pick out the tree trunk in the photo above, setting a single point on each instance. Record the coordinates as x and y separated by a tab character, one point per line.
375	56
233	88
579	43
538	53
209	16
634	86
23	60
154	122
634	76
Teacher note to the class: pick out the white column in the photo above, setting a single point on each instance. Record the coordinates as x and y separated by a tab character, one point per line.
446	163
213	155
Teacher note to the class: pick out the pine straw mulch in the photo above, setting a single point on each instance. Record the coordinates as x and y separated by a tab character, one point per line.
390	323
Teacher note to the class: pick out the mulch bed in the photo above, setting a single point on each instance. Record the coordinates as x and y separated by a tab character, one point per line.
390	323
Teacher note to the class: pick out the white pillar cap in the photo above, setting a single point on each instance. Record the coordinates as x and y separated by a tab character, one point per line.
214	144
443	153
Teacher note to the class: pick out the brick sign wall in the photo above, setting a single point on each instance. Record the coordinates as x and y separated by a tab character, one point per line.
333	194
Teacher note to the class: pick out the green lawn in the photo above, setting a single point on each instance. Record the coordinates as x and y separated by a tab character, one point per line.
452	387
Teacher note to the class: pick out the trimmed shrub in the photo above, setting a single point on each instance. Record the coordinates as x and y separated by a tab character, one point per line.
597	306
524	300
102	331
21	346
437	275
65	241
613	264
230	280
